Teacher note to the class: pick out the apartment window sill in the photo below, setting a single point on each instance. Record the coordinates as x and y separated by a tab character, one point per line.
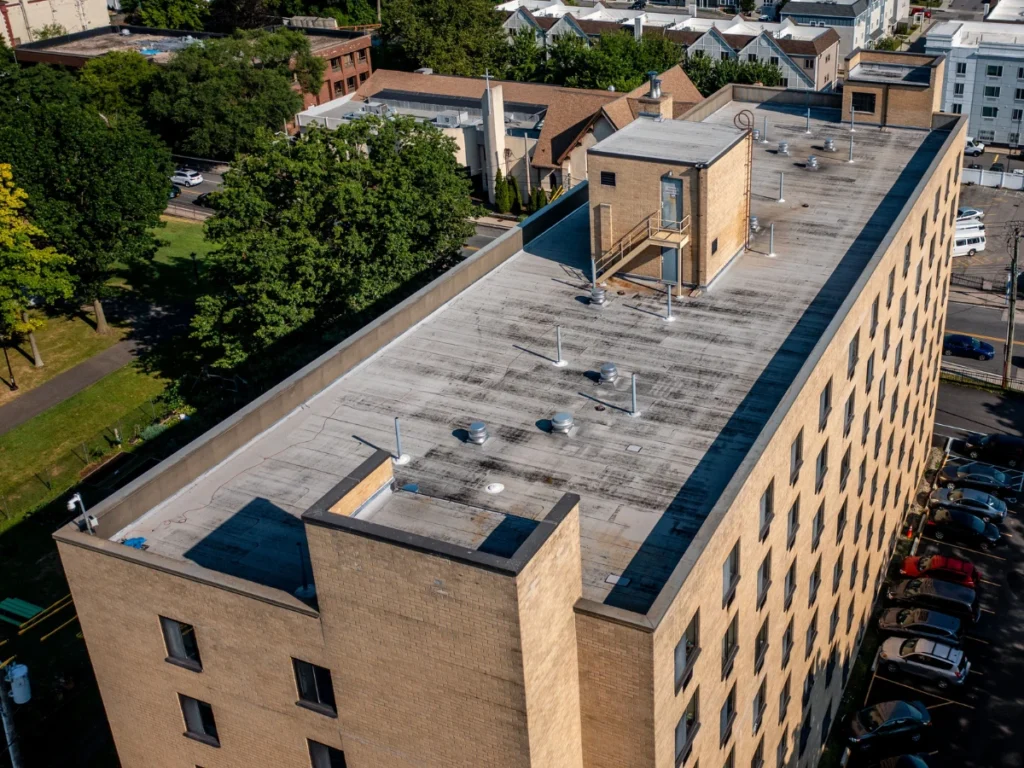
188	664
792	537
202	738
810	644
839	531
795	474
843	477
847	425
684	679
727	663
759	719
320	709
727	731
759	661
823	418
783	708
813	598
764	595
788	601
820	482
763	534
684	753
730	593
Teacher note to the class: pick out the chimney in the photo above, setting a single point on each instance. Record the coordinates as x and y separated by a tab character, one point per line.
655	92
655	103
638	27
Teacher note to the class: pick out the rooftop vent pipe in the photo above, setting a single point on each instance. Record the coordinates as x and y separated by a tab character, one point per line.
655	92
561	422
783	147
609	373
755	226
812	163
830	144
477	433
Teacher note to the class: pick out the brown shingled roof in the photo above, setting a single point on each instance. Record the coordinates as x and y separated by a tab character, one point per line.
673	81
568	109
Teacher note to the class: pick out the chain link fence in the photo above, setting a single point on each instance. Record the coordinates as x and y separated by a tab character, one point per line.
103	460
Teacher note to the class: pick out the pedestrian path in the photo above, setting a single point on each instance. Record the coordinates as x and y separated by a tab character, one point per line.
65	385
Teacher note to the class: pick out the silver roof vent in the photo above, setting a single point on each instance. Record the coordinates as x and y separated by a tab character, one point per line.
812	163
609	373
562	422
477	433
755	225
783	147
830	144
655	92
597	295
757	135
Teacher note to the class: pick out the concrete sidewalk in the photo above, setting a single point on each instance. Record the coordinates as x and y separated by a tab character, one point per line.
65	385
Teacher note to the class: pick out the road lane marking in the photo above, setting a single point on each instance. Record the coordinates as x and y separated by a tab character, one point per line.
965	549
977	640
471	247
984	338
986	610
986	581
870	685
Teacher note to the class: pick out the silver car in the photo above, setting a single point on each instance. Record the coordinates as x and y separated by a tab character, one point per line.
919	656
978	503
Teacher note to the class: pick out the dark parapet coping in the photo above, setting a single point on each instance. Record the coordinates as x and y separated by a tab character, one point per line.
319	514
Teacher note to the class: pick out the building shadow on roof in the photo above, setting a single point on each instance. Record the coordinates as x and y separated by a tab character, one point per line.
662	550
261	543
508	536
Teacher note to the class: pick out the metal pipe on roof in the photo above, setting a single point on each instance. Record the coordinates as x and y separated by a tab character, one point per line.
400	456
808	128
782	178
668	303
851	150
771	240
558	347
633	411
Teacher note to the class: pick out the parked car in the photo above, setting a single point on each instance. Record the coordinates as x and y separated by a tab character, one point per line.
969	243
187	177
984	505
889	725
925	658
920	622
951	569
981	477
966	214
998	168
174	192
203	200
967	346
973	147
1002	450
969	227
954	526
904	761
951	599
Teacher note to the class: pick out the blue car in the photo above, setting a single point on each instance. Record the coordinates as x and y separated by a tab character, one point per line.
967	346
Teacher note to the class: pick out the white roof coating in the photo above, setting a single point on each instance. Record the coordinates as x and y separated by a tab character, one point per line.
708	384
971	34
677	141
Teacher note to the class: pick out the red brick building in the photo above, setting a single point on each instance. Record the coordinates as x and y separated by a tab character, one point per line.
348	63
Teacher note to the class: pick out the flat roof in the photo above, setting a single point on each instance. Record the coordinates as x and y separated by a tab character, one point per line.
708	384
673	141
972	34
1007	11
882	72
157	46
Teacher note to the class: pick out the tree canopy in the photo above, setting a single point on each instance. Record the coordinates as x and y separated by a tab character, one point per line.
210	100
30	271
96	184
168	14
453	37
708	76
119	82
316	229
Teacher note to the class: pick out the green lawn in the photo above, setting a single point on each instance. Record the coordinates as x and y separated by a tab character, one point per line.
173	276
63	342
46	455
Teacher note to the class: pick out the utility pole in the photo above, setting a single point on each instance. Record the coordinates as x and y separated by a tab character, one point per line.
1014	232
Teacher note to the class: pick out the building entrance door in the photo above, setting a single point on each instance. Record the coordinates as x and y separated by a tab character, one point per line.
671	201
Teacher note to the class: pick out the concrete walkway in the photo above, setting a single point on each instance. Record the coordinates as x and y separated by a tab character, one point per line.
65	385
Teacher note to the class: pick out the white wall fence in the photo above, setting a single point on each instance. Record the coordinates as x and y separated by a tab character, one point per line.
993	178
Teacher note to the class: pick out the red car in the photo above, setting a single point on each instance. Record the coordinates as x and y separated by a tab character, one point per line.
949	569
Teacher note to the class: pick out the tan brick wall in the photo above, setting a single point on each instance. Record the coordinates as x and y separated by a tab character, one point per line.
703	588
246	648
728	183
616	686
426	653
548	587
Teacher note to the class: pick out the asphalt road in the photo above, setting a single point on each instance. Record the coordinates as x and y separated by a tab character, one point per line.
987	324
977	410
211	181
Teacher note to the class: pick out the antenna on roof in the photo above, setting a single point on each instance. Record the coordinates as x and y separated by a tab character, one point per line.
487	78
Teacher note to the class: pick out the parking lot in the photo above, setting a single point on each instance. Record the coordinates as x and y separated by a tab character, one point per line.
981	722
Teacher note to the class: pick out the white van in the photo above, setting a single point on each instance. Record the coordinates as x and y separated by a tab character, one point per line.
972	147
970	225
968	243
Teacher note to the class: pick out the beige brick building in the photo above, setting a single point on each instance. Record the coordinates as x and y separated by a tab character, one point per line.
674	578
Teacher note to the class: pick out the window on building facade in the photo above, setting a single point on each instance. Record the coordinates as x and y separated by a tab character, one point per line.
687	727
730	574
764	578
323	756
796	456
821	468
774	61
727	716
957	109
812	634
958	89
874	305
849	413
730	645
761	645
994	70
787	644
792	522
199	721
837	573
314	686
853	355
180	641
607	179
766	512
992	91
990	112
782	751
961	67
687	650
824	405
863	102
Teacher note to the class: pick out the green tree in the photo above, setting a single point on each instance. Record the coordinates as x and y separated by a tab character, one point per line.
515	195
709	76
96	184
49	31
29	271
568	57
502	196
119	82
538	199
524	59
314	230
748	6
168	14
888	43
211	100
231	15
453	37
